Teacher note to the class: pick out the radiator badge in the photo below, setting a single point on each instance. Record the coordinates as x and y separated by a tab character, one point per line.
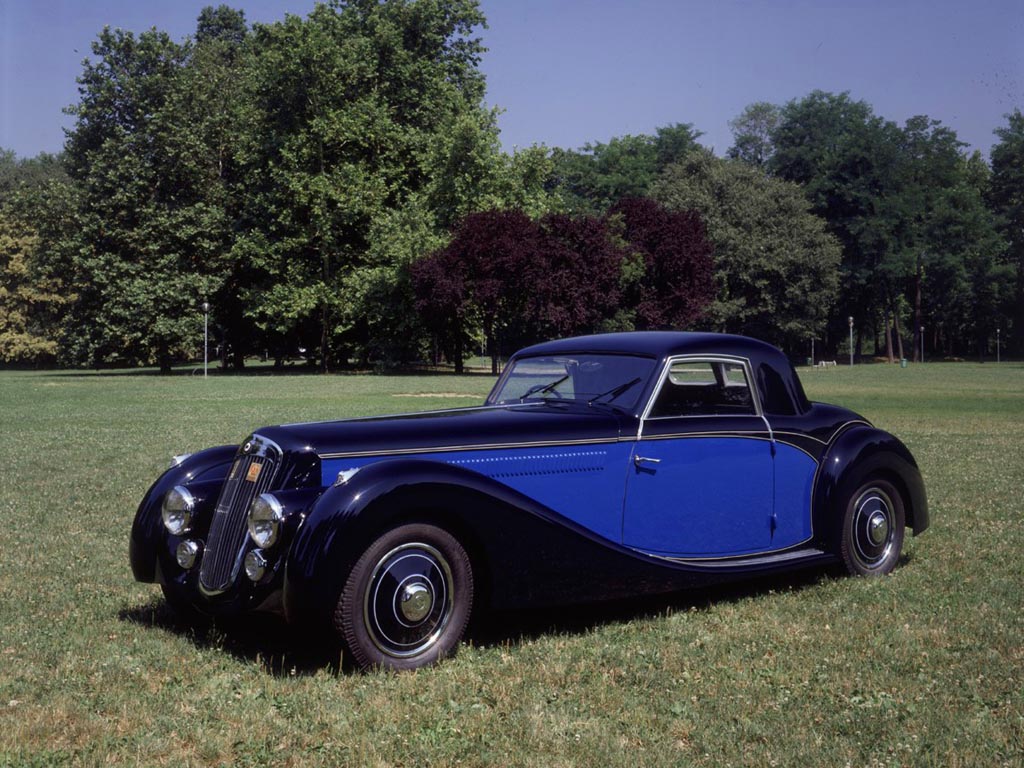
253	473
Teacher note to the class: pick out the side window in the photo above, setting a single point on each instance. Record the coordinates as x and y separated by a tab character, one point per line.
704	388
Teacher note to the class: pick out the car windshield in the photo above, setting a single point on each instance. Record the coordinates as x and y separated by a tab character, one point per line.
615	380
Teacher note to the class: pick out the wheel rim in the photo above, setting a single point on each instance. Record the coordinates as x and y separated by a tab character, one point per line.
873	527
408	600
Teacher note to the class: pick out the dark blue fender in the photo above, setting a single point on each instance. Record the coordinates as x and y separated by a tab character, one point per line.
523	553
857	453
205	467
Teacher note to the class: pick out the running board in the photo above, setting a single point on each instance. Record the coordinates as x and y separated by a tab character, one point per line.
758	561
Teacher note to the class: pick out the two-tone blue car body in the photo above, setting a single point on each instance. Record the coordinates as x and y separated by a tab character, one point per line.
599	467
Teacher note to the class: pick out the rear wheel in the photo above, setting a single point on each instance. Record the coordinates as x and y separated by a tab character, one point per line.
407	600
873	527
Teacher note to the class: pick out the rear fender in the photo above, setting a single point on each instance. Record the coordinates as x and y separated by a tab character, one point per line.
858	453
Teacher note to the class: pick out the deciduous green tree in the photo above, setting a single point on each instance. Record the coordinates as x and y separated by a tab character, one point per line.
847	160
34	222
23	297
776	266
1007	200
599	175
752	133
364	115
150	230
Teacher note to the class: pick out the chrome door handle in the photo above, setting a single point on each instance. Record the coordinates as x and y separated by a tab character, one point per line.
638	460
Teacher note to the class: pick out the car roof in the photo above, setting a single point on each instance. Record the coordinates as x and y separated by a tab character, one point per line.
657	344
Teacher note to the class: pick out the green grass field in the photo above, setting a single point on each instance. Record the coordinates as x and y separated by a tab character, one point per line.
924	667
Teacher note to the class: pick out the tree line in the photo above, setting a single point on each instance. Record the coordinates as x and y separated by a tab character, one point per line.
333	186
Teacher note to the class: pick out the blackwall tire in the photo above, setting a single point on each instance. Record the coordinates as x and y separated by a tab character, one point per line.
407	600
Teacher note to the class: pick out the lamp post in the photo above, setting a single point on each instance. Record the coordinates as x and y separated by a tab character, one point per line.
812	351
998	356
922	343
850	320
206	337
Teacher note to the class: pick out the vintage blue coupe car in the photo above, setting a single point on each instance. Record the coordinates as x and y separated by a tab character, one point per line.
599	467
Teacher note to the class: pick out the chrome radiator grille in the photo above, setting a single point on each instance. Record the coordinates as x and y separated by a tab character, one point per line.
252	473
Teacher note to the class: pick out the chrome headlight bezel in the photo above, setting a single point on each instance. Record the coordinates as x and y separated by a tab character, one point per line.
255	566
178	510
266	514
187	554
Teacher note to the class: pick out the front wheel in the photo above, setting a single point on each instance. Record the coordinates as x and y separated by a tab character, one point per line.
873	527
407	600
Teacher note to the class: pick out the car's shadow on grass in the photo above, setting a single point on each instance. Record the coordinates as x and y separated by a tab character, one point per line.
512	627
283	650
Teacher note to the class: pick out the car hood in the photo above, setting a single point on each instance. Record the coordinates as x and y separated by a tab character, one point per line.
489	426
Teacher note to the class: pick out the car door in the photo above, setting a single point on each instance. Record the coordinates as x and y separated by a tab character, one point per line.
701	480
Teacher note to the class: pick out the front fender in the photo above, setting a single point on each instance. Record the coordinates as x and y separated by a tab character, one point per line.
348	517
856	454
147	534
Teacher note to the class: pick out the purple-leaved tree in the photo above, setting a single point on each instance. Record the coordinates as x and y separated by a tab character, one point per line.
677	284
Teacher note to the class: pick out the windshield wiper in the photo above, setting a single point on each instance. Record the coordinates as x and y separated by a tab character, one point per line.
543	388
614	393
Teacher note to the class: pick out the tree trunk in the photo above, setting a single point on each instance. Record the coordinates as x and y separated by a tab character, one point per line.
916	330
896	330
163	358
888	337
457	357
492	350
323	339
1017	341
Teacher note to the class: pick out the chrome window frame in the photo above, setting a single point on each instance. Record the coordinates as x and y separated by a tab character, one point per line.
748	371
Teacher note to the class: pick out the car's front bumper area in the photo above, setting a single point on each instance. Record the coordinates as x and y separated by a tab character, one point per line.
182	589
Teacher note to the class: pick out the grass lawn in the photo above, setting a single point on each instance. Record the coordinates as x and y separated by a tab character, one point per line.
924	667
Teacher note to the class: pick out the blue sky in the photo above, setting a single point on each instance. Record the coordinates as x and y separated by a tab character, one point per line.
568	72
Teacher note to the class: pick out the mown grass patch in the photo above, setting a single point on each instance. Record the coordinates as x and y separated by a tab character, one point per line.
921	668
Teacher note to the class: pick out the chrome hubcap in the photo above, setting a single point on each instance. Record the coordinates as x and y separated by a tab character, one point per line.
416	602
878	529
872	527
408	600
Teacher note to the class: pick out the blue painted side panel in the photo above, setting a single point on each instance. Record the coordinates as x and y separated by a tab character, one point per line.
706	497
794	482
585	483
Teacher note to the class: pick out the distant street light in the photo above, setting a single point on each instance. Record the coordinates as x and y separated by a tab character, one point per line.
812	350
998	357
206	338
850	319
922	343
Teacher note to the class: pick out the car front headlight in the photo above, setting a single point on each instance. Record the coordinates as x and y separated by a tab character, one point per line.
265	517
178	507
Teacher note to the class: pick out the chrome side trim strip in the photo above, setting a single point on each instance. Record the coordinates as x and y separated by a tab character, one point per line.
474	447
791	552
